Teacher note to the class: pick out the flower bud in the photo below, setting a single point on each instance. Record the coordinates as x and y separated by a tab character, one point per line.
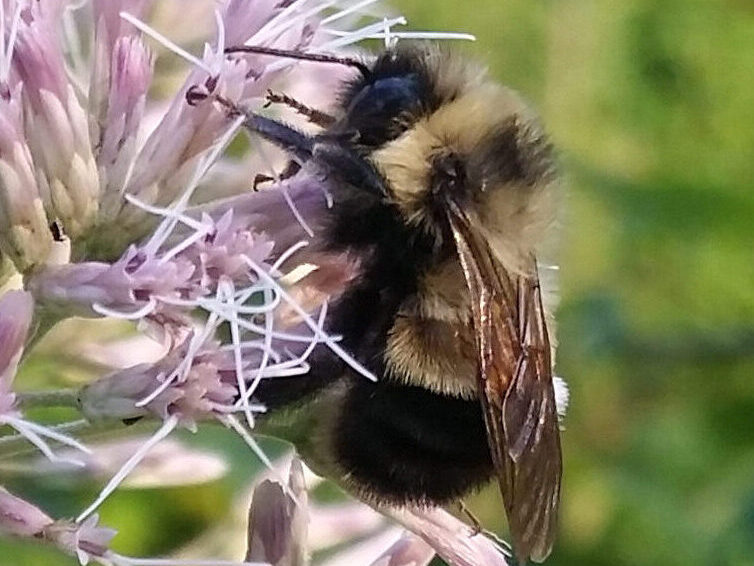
16	309
56	126
24	234
130	75
278	521
20	518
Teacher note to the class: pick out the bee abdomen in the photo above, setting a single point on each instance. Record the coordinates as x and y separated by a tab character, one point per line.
399	444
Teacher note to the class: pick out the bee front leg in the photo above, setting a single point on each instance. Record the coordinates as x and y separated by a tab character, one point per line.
315	116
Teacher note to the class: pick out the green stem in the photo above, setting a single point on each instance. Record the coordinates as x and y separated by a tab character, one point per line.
51	398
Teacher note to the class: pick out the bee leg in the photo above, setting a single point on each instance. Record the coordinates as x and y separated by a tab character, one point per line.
260	178
477	526
315	116
290	170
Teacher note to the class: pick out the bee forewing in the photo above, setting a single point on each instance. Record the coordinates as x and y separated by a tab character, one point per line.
515	389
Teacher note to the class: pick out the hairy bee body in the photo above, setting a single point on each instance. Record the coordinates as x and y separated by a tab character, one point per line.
404	438
442	187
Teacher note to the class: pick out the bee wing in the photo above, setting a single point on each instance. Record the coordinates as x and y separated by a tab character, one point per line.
516	390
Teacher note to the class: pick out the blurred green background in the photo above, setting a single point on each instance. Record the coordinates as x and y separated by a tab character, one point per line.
651	104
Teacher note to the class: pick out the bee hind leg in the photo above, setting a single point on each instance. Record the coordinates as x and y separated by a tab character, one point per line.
475	523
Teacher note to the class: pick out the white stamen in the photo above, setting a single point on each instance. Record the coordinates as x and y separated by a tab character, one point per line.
167	427
288	23
390	40
268	327
175	213
147	309
345	356
264	32
347	11
283	187
231	422
168	44
235	336
296	366
360	34
273	371
286	254
53	434
295	211
395	35
172	213
220	308
220	50
432	35
185	244
34	433
8	48
285	336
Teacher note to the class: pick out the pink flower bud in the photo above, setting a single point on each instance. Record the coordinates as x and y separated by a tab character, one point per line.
16	308
56	125
130	75
24	233
20	518
278	521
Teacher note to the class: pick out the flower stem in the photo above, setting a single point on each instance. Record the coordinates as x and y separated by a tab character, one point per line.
51	398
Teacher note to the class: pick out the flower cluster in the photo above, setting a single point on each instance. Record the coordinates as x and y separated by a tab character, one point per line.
100	176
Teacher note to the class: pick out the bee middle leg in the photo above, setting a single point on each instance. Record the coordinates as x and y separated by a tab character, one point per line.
290	170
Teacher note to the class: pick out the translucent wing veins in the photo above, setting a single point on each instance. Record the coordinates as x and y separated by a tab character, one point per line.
516	390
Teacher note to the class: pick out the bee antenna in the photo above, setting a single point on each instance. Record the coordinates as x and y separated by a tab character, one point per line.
292	54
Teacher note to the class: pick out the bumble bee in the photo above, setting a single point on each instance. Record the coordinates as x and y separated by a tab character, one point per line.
442	186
